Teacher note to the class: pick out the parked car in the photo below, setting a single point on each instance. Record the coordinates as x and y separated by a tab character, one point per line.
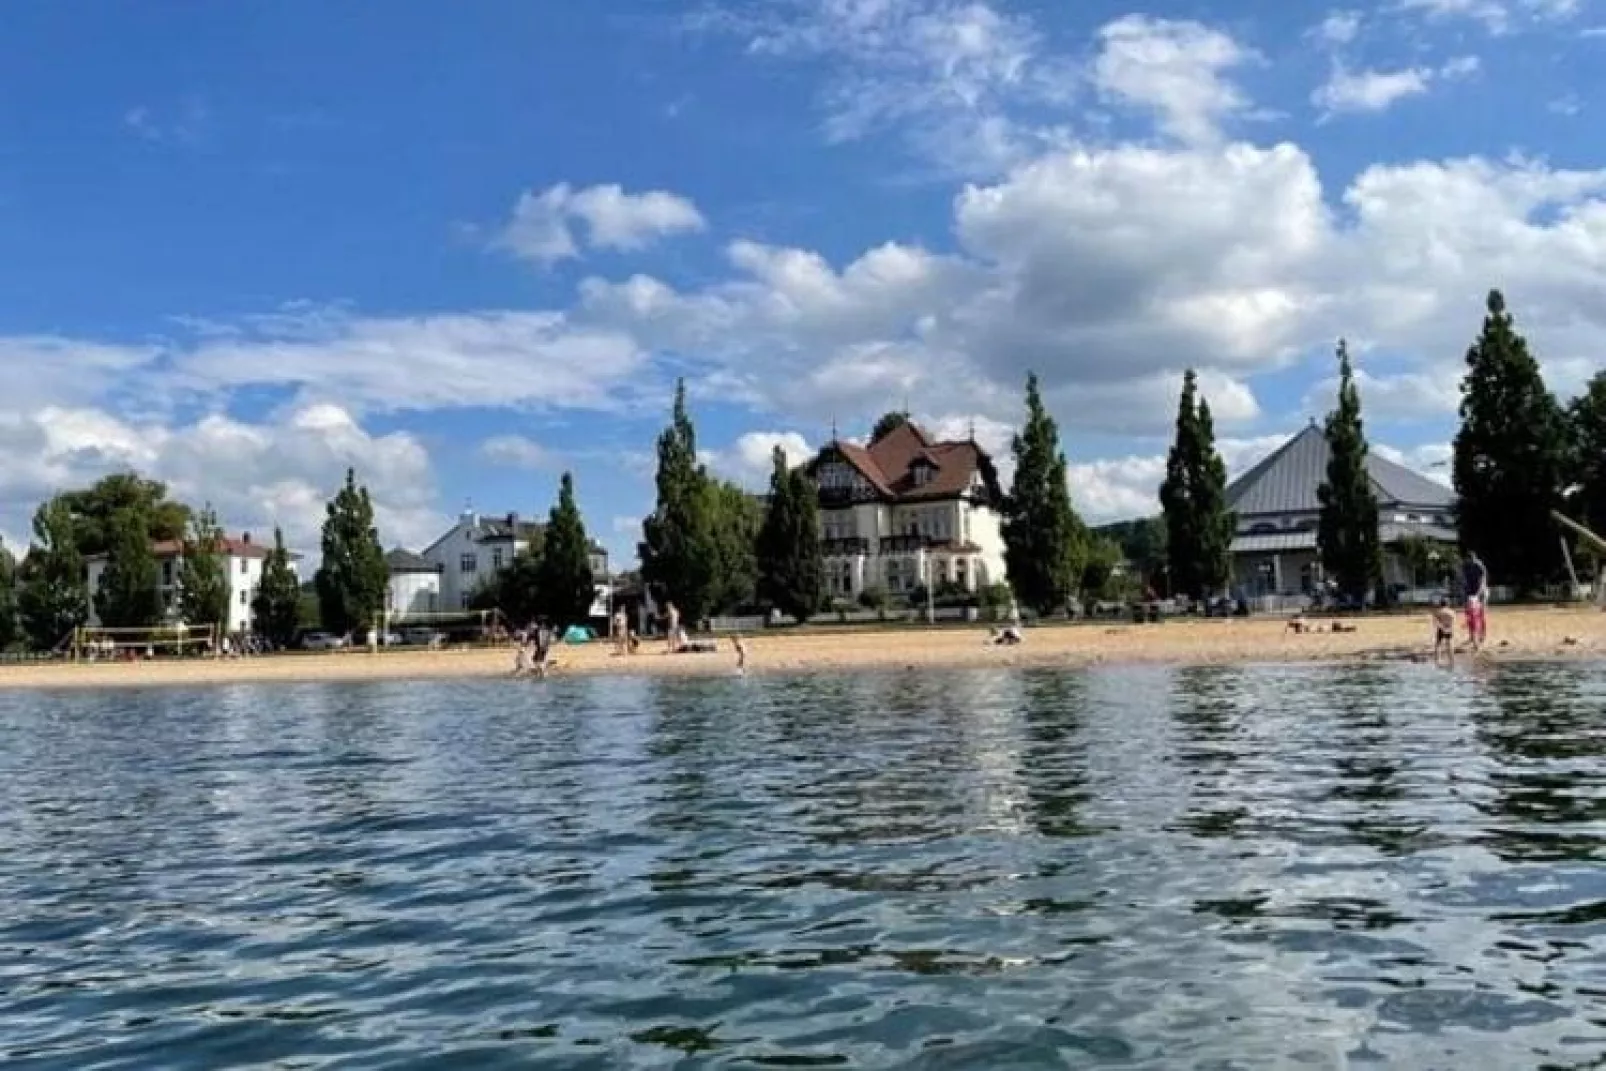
421	637
321	641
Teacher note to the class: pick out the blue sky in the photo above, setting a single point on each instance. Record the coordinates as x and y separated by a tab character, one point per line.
466	247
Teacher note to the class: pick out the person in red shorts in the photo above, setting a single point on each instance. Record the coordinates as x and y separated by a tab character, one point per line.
1475	583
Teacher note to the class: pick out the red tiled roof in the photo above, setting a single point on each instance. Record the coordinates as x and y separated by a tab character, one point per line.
242	547
889	463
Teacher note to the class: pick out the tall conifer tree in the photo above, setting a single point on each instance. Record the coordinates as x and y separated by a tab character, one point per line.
276	607
52	599
352	579
1193	497
1346	531
680	553
1509	457
791	569
564	585
1043	537
203	589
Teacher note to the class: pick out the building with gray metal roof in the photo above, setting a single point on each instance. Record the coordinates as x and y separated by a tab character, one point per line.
1276	506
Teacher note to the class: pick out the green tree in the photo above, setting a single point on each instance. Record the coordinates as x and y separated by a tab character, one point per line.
1587	425
203	587
276	606
52	598
95	509
565	586
737	518
127	595
1346	528
888	423
514	589
791	570
1508	459
1043	538
10	622
679	553
1102	558
1193	497
352	579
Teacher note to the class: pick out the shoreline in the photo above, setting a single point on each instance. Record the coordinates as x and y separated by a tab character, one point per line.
1519	634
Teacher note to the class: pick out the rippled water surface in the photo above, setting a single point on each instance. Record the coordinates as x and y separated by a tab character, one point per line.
1267	867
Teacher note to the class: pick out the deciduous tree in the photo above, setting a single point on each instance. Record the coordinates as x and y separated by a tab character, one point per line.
1346	529
52	598
203	586
94	508
1509	455
1587	475
127	595
10	623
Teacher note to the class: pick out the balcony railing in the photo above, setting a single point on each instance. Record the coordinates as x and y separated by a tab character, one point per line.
836	497
847	545
905	544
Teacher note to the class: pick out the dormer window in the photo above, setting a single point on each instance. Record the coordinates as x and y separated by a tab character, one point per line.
923	472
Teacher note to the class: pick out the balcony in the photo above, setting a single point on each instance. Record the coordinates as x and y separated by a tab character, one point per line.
838	497
847	546
905	544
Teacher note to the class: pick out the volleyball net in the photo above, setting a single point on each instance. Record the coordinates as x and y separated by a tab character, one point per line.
105	643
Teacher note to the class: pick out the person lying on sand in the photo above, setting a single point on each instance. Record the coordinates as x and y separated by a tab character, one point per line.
1009	635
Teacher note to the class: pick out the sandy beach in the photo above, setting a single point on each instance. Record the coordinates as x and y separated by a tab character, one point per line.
1525	633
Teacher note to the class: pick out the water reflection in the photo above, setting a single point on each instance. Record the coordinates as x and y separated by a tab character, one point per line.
1206	867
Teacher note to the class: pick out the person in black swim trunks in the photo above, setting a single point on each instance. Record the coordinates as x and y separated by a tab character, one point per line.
1443	630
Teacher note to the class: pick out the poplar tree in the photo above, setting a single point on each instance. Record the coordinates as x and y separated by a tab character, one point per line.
679	551
1043	538
1193	497
1508	457
203	589
52	598
1346	531
791	568
127	595
352	578
10	623
564	583
276	607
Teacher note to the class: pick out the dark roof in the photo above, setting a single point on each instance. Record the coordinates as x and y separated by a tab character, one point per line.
1285	481
405	561
889	464
490	531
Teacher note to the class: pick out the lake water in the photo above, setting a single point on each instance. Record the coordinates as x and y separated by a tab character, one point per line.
1256	867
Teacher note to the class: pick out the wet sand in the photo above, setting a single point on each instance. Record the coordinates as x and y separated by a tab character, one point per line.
1517	633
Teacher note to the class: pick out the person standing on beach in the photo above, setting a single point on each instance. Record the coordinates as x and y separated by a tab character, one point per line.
1443	630
672	616
1475	583
741	654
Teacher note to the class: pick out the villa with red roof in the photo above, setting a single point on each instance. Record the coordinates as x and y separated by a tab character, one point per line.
241	559
907	511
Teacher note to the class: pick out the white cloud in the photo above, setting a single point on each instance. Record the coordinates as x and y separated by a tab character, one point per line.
1338	28
516	451
1496	16
749	461
257	475
955	78
1376	91
1174	69
1408	397
542	226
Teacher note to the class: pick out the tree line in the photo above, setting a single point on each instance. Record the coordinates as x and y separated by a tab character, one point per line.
1518	455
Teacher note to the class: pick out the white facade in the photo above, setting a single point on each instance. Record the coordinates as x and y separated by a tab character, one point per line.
472	550
900	547
410	592
242	568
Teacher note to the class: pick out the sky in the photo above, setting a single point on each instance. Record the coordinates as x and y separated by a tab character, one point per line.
465	248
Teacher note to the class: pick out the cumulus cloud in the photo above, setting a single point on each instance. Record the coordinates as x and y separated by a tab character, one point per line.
1177	70
1376	91
748	461
516	451
280	472
542	227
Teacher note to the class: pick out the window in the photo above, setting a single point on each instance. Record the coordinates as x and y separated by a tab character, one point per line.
462	601
245	597
245	566
496	558
167	571
922	475
467	563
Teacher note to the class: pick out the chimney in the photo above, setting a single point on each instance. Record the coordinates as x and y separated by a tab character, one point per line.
245	537
513	521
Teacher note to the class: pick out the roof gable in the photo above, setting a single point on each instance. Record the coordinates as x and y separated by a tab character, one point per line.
889	464
1285	481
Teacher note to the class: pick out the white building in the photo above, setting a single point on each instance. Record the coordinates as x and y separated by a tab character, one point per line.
472	550
414	585
242	568
908	511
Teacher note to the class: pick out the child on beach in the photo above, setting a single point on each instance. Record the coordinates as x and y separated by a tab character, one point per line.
1443	630
741	654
